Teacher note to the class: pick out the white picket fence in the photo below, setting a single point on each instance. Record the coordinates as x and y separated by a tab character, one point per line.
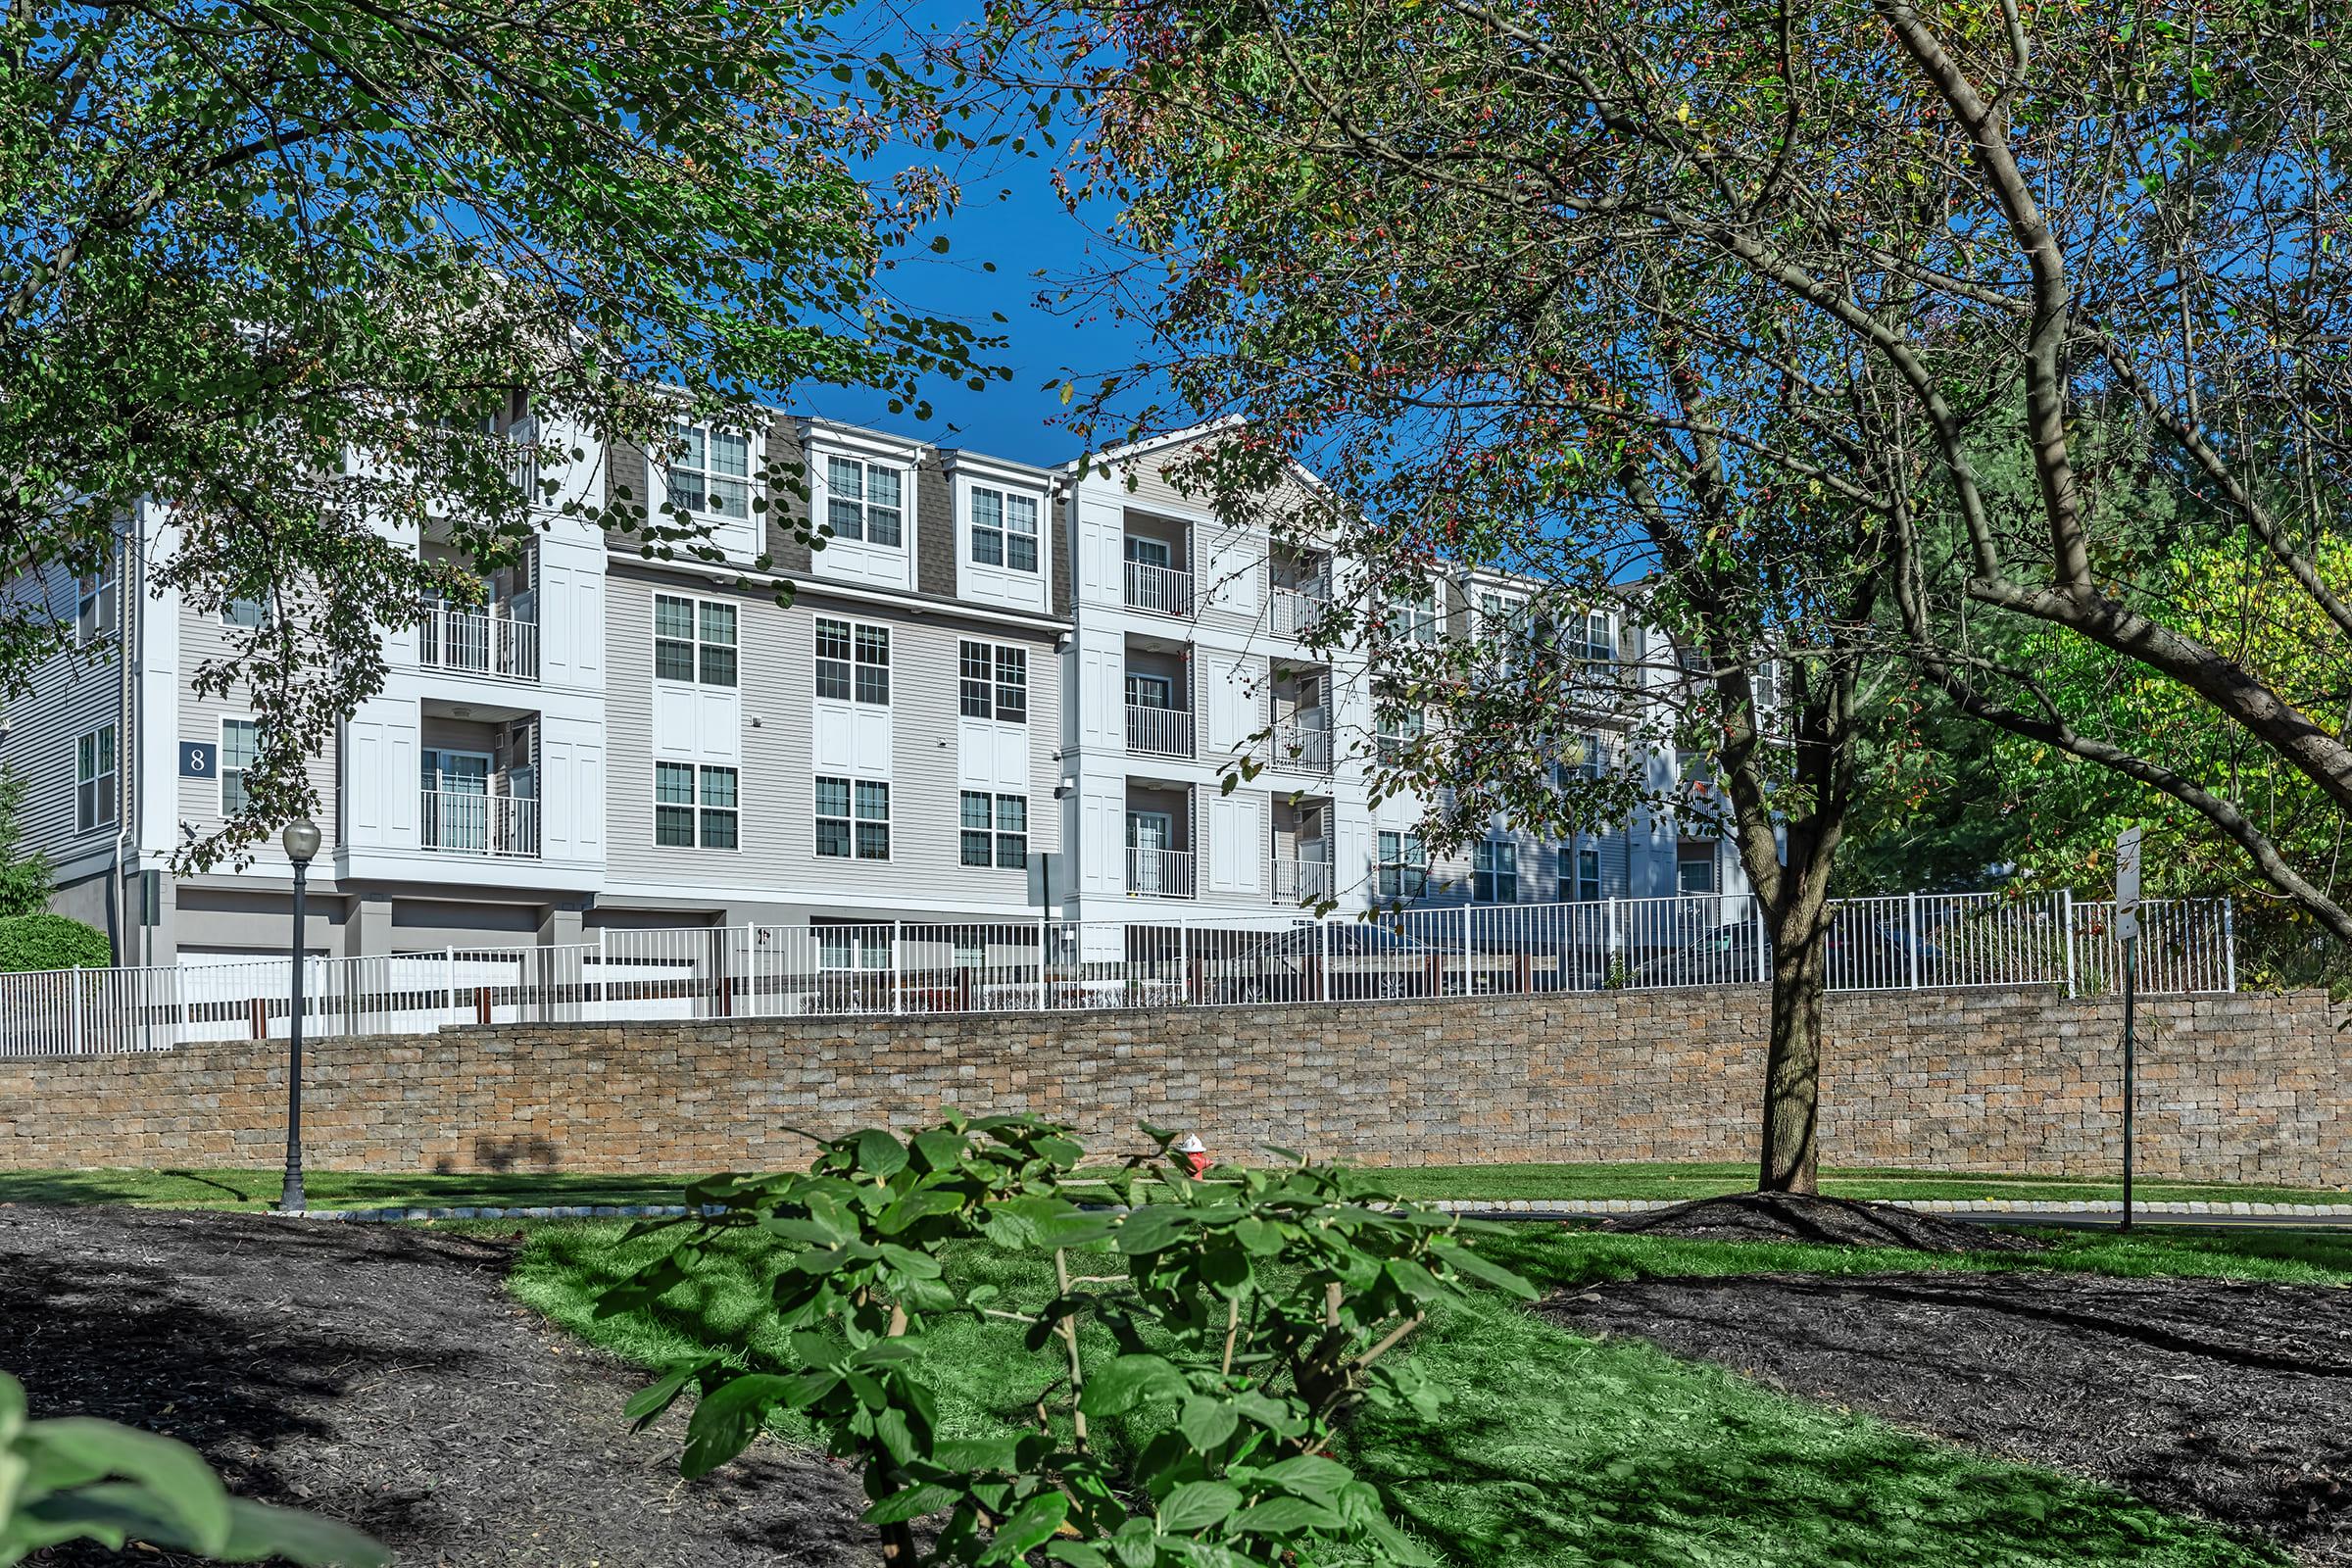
1921	942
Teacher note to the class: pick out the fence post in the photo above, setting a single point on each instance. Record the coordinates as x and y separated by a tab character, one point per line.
1184	960
1467	987
604	972
1756	913
2229	945
898	969
449	973
1040	962
74	988
1612	934
2066	911
1911	916
1323	958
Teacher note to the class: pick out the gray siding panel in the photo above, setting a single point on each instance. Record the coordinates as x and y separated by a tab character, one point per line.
66	697
787	490
934	530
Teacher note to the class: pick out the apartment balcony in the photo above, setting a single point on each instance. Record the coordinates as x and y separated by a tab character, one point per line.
1300	881
498	826
1302	744
1158	731
474	642
1161	590
1160	875
1293	611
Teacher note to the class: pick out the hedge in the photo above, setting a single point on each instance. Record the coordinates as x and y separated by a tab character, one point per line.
51	942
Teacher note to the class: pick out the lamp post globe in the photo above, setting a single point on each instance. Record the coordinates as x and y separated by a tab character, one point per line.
301	840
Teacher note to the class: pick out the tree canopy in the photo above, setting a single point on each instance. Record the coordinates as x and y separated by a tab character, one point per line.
284	268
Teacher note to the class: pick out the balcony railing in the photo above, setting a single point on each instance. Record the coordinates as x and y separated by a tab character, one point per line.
502	826
1159	589
1300	881
1302	744
1159	731
1160	873
1294	612
479	642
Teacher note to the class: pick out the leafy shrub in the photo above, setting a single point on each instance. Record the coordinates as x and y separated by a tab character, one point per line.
82	1480
51	942
1248	1317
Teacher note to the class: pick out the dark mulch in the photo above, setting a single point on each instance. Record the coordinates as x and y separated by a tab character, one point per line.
2231	1400
380	1375
1828	1221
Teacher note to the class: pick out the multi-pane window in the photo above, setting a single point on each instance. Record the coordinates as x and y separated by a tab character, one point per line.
94	778
995	830
852	661
863	501
94	605
1151	691
1403	866
993	681
852	946
1494	871
710	472
696	807
1397	731
245	612
1413	617
1600	645
1003	529
693	639
1587	873
1694	869
852	818
240	747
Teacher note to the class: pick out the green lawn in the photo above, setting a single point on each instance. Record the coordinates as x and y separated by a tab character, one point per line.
1557	1450
258	1188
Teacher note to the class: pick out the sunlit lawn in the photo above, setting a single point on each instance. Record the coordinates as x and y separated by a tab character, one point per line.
1560	1449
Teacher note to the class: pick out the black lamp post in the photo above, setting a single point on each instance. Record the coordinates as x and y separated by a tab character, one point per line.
300	839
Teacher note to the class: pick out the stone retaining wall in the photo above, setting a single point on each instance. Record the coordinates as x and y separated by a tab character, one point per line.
2233	1088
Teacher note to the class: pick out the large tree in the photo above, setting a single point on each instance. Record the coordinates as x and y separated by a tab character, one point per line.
284	268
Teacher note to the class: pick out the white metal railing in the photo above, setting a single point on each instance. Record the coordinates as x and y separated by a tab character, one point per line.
457	823
1160	873
1294	879
1302	744
477	643
1163	590
1026	965
1159	731
1293	611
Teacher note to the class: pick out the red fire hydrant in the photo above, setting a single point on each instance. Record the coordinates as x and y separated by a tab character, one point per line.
1193	1155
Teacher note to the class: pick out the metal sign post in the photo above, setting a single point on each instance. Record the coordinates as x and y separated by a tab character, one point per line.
2127	929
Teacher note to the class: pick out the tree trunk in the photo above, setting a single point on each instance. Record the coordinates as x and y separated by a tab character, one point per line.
1792	1060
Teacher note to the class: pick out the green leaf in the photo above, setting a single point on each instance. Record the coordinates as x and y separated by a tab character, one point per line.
1198	1505
1465	1262
1122	1384
258	1531
729	1417
181	1484
1154	1228
1031	1525
1207	1422
879	1153
914	1502
1283	1516
1308	1475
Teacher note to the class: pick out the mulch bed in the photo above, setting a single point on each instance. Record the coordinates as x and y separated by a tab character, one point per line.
2230	1400
380	1375
1824	1221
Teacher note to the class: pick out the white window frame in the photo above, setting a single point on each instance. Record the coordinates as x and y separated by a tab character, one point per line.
1487	882
1149	679
1411	618
856	821
94	605
1390	736
260	613
857	512
97	797
698	645
707	480
991	687
1587	873
221	767
1396	857
698	807
1684	862
1002	530
857	665
992	838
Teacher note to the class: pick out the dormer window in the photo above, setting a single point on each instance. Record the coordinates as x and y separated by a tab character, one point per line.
865	501
711	474
1003	529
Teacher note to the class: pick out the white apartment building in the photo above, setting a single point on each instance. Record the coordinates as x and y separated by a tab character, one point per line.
1185	648
998	692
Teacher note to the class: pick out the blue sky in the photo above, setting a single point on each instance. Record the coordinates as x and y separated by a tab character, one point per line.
1010	215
